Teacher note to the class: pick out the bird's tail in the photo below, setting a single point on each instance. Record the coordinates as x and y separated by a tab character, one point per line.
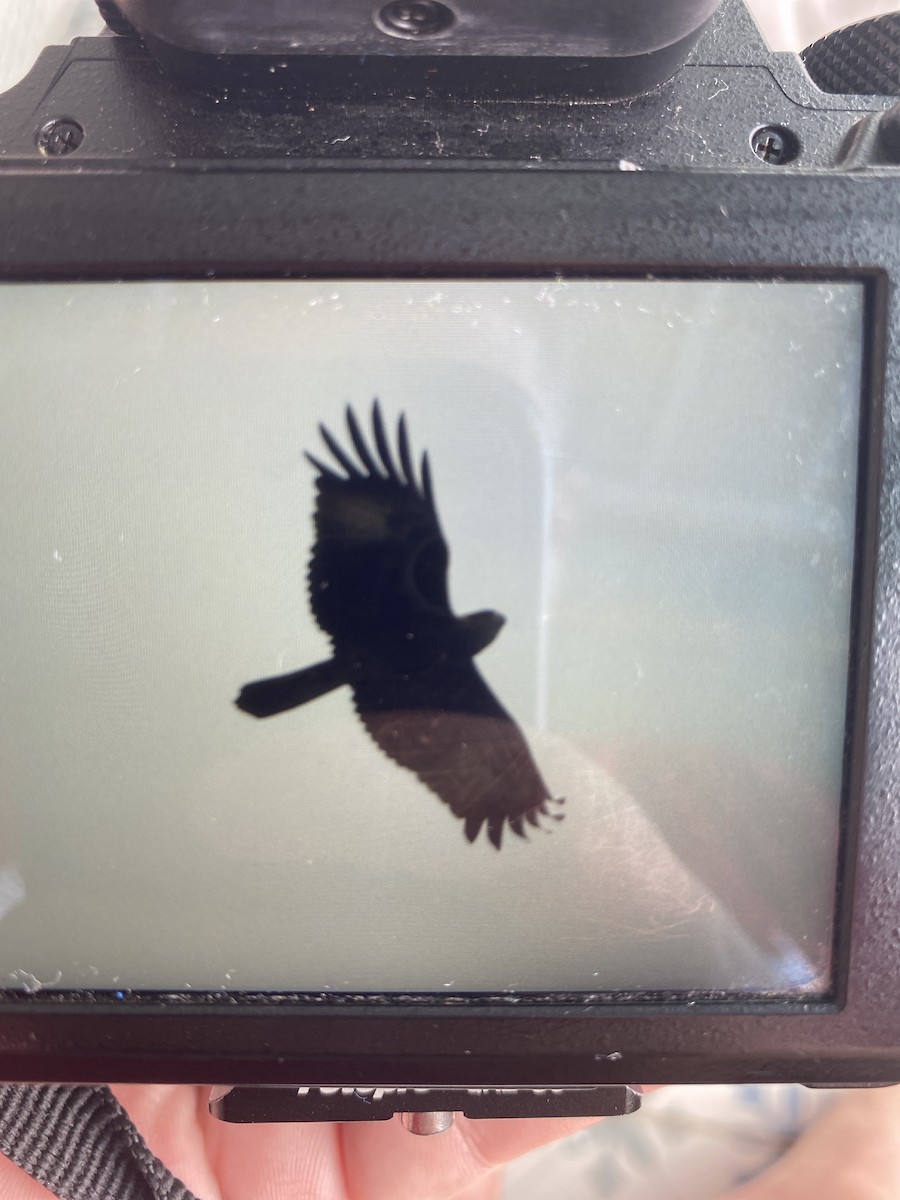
266	697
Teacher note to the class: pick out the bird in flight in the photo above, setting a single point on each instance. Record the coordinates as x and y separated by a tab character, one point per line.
378	588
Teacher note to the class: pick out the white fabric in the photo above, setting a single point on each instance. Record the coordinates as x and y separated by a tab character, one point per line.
793	24
26	26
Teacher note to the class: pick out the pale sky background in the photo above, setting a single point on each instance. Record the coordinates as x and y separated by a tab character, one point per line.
671	550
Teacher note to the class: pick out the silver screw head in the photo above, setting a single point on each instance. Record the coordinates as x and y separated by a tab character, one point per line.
57	138
426	1123
415	18
774	144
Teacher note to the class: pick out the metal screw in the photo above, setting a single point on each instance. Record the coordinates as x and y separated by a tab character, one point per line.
58	138
774	144
426	1123
415	18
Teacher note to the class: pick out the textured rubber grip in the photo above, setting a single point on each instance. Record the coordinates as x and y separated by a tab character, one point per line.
80	1144
862	59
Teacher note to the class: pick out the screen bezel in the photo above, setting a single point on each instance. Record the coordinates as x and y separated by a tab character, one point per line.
480	1039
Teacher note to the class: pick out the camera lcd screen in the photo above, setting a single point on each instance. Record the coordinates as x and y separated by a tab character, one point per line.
653	481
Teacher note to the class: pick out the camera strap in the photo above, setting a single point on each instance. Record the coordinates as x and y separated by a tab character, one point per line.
79	1143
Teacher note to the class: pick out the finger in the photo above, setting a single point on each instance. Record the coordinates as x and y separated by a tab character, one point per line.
220	1161
277	1162
851	1152
378	1157
490	1188
171	1121
16	1185
495	1143
385	1162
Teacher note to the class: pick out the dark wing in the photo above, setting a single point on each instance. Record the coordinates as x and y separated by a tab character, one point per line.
448	727
379	558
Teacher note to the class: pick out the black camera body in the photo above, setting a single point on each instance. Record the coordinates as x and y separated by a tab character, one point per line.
352	164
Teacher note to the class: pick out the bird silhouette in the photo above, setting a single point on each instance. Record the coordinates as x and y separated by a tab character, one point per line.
378	588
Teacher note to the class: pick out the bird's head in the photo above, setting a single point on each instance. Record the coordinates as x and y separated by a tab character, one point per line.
480	629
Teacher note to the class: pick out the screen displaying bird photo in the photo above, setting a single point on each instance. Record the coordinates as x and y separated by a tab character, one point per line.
436	636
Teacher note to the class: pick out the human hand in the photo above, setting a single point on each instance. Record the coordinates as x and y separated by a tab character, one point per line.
365	1161
852	1152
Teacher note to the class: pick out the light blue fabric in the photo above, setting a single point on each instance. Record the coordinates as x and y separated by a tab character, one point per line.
686	1143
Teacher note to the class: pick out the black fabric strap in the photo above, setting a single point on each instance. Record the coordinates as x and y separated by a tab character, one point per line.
80	1144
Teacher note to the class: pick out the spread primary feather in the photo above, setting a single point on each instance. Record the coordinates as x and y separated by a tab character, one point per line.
378	588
